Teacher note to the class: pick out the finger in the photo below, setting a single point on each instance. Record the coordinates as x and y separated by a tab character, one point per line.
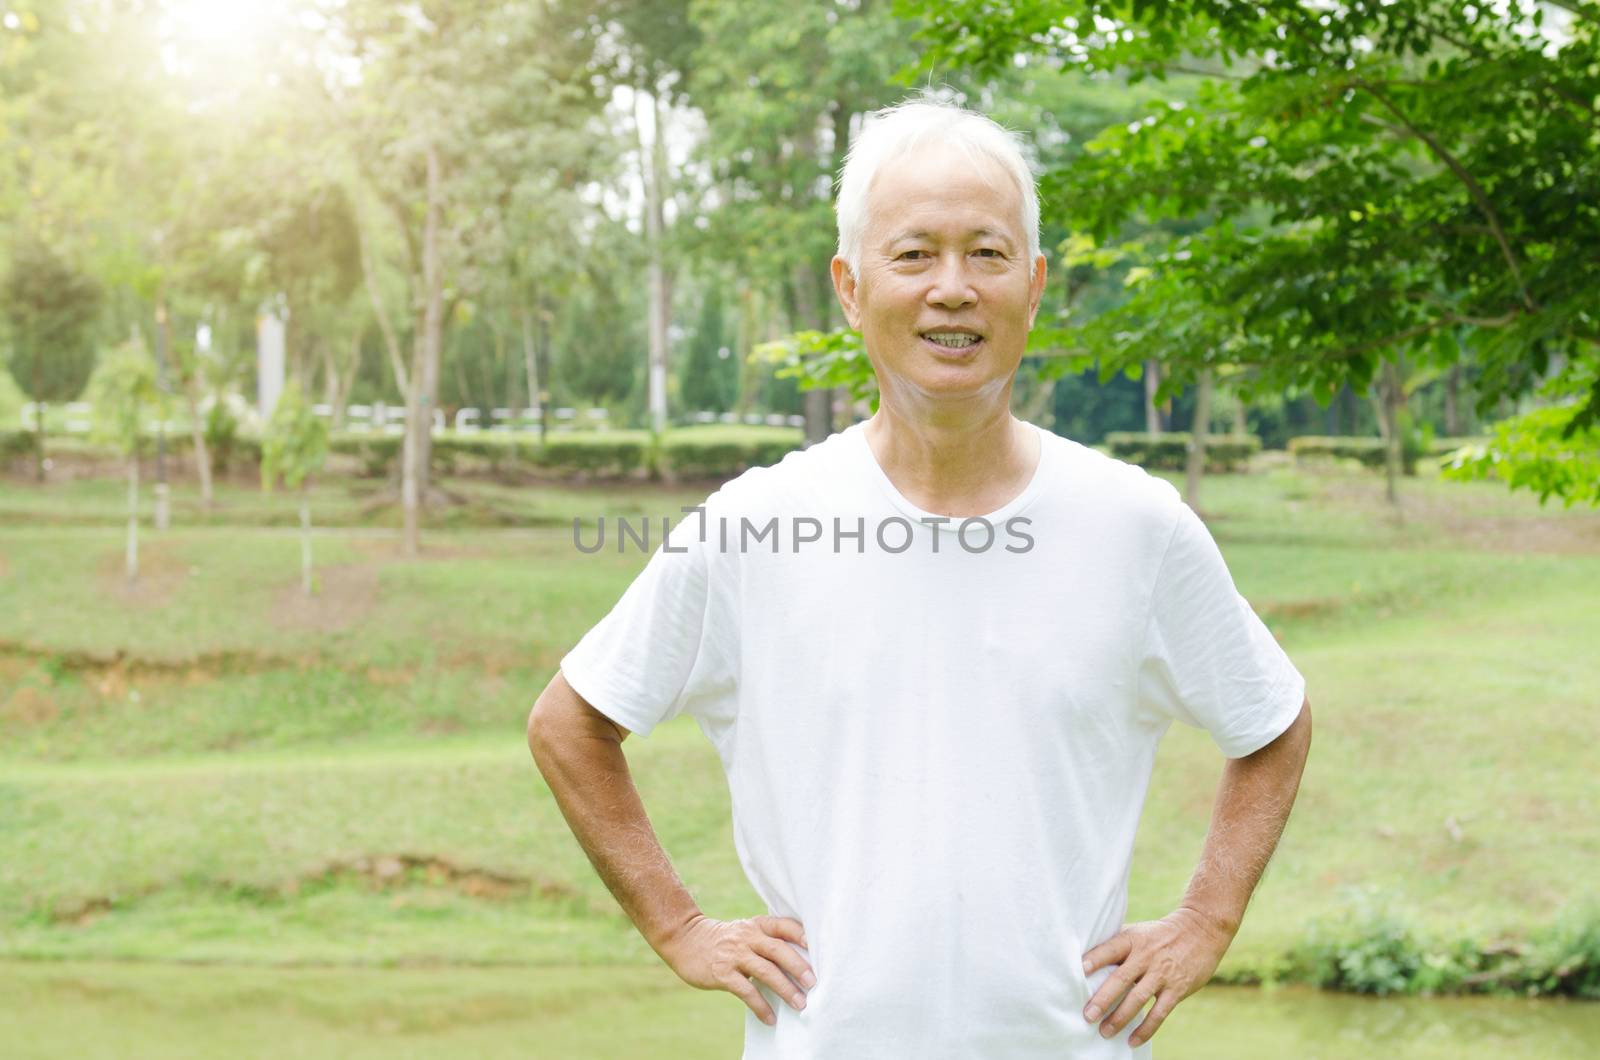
746	991
783	927
789	959
1166	1001
1116	984
1129	1008
1114	950
758	967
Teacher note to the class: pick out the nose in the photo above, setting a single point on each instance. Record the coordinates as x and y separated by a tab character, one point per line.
949	286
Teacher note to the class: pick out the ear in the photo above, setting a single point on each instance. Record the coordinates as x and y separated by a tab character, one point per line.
1036	289
844	285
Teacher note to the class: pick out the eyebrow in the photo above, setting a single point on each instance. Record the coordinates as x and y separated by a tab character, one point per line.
980	233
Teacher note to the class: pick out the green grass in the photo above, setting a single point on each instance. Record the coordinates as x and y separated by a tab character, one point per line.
197	769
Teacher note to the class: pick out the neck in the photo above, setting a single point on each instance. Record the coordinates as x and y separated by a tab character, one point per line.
963	466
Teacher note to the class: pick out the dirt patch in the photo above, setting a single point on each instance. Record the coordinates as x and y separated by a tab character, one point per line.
98	668
344	594
1298	609
29	706
379	873
161	573
1559	532
392	550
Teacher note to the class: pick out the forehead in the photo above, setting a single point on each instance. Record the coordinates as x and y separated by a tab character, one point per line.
938	189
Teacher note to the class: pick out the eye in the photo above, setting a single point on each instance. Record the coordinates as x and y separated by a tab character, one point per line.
907	254
989	252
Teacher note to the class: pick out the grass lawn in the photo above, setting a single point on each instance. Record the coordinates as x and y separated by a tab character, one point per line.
210	768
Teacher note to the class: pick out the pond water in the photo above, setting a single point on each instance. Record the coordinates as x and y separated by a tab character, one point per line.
83	1010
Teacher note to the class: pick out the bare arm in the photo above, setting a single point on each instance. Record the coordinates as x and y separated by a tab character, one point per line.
1169	959
579	752
1252	806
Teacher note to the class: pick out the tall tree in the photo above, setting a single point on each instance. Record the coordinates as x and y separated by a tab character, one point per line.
1385	177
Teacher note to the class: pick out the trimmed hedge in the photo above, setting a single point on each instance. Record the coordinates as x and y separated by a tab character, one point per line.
1368	451
701	452
691	452
1170	451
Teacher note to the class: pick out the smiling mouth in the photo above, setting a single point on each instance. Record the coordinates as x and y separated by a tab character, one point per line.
954	341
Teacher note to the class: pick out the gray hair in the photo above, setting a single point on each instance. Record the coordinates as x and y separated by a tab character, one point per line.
895	131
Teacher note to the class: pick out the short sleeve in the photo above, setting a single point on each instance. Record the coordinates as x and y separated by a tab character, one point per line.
1208	660
664	648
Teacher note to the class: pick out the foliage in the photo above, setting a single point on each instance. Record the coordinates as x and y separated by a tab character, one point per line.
295	444
1170	451
121	391
1376	178
221	433
14	444
823	359
1535	452
1376	951
51	309
1371	452
11	401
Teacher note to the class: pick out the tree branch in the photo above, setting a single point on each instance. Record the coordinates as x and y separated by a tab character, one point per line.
1474	189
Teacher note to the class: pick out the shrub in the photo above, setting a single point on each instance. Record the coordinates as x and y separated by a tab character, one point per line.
221	434
15	444
1170	451
1376	952
11	401
1368	451
598	454
723	453
378	453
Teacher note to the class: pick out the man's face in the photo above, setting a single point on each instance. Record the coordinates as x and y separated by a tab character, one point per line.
946	293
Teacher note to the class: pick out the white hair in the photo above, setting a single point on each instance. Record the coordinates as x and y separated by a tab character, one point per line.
896	131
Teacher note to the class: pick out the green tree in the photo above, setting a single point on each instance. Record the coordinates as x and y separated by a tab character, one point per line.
1378	179
51	309
121	390
294	447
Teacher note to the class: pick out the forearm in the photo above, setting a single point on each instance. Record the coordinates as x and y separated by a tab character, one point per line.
1252	805
588	774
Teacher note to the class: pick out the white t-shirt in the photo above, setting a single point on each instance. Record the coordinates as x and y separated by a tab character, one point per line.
938	739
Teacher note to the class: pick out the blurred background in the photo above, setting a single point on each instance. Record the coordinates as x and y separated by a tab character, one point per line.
322	320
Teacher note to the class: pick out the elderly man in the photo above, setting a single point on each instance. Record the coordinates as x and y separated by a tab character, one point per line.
935	653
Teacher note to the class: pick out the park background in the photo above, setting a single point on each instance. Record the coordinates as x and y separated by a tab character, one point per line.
446	276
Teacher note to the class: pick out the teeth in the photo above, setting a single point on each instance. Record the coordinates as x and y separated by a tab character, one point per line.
953	339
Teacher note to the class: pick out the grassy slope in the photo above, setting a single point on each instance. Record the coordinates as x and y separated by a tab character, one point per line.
219	806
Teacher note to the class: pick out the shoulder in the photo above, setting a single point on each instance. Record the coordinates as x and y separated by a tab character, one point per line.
801	473
1123	493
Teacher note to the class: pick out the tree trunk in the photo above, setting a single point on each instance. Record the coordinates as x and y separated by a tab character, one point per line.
132	558
197	434
804	314
750	303
1389	400
652	171
1241	416
1152	380
38	407
1197	442
417	450
162	508
1452	402
347	383
530	361
305	536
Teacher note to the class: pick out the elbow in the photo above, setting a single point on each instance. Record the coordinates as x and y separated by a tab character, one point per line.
539	726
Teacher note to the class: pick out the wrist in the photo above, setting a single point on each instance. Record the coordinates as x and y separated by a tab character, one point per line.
665	940
1224	923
